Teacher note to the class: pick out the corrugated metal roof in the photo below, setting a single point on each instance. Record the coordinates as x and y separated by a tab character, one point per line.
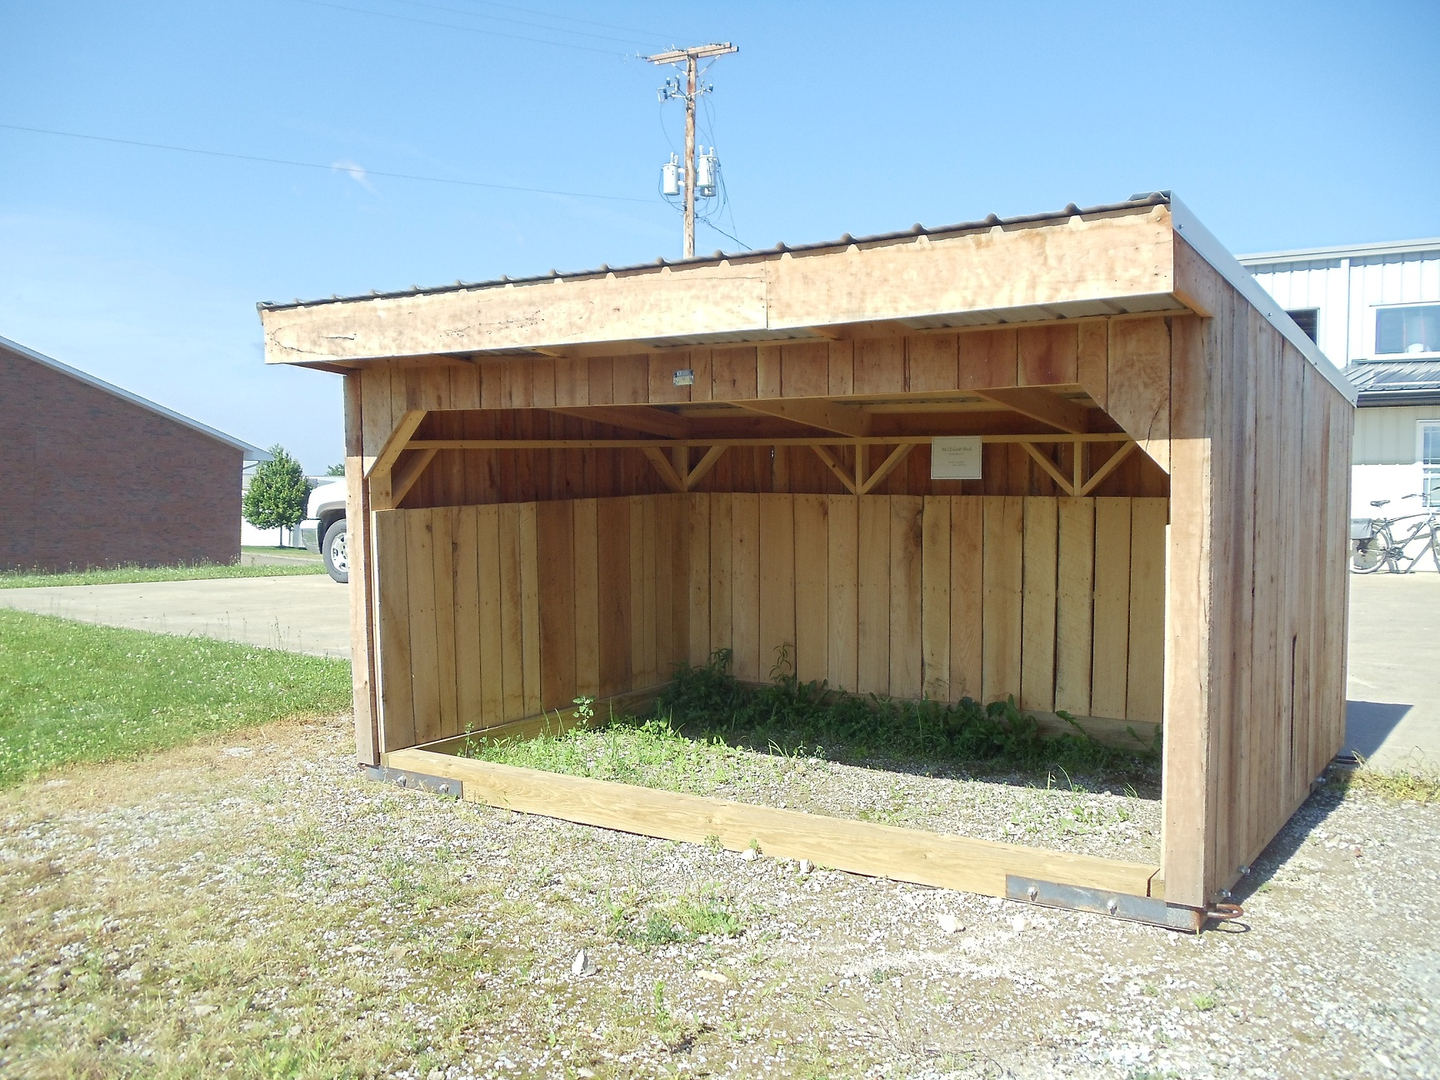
1396	382
252	453
1341	251
1154	198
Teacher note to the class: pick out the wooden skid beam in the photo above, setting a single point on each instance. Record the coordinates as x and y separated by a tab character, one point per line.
861	847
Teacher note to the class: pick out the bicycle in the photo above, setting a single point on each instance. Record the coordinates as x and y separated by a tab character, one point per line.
1373	542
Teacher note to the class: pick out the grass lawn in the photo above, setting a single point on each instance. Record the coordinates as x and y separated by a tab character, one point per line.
122	575
72	692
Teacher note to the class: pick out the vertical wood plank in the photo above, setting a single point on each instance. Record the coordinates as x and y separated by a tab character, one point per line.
1093	361
613	563
1003	585
424	666
1138	383
1038	614
967	563
555	524
649	671
745	585
906	613
1074	605
630	379
587	598
572	381
880	365
733	373
931	362
512	615
363	679
842	367
935	598
698	523
987	358
722	546
767	371
805	369
1049	355
492	632
392	599
777	581
873	675
1111	635
1145	679
443	539
843	574
812	587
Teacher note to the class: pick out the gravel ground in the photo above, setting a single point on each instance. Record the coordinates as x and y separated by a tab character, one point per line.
251	907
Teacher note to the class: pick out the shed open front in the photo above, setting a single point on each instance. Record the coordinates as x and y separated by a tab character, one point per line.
562	488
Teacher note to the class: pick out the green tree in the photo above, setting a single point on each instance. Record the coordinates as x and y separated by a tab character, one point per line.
277	494
338	469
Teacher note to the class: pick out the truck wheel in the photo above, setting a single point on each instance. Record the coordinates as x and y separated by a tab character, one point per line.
337	561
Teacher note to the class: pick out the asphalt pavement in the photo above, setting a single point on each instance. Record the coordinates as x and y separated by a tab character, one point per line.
1392	717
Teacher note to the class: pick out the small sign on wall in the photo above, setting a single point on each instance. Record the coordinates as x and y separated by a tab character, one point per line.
955	458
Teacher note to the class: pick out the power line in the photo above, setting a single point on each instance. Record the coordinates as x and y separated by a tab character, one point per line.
456	26
317	165
538	26
571	18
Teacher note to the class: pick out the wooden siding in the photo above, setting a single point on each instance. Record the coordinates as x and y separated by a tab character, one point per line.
1257	591
489	614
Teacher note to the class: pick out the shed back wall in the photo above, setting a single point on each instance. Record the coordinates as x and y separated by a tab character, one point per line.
492	613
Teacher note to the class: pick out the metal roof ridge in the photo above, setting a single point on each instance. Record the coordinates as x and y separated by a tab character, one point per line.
253	453
1340	251
1154	198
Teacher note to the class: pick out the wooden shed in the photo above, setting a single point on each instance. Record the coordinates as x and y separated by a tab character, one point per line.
1079	458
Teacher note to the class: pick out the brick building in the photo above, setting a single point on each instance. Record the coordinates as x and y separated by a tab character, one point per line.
91	475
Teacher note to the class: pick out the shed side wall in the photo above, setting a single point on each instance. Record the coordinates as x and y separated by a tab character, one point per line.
1258	592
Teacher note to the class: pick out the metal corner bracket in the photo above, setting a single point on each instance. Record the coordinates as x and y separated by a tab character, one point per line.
414	781
1141	909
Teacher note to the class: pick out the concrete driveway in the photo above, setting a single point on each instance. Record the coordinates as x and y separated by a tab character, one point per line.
1393	715
303	614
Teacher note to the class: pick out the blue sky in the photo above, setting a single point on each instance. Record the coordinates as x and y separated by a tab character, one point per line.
1280	124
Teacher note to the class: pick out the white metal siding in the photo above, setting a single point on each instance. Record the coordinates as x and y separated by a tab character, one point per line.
1389	436
1347	291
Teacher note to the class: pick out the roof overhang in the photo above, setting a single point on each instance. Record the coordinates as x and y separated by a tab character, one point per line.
1110	260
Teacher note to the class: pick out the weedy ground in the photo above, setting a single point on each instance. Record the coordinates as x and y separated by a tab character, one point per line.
980	771
250	906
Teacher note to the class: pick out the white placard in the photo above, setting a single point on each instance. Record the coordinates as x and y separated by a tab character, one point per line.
955	458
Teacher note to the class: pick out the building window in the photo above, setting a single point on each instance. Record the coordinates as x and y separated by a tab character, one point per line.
1308	319
1430	462
1412	329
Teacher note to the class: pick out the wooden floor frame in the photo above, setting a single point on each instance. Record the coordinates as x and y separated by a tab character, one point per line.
986	867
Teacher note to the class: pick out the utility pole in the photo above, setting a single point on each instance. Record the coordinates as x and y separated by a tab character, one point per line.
692	90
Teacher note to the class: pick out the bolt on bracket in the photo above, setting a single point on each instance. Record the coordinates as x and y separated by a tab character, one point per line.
436	785
1141	909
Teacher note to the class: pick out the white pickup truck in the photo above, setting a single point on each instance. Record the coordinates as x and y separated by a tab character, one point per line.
323	529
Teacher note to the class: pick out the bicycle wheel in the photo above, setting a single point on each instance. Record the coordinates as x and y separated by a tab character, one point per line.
1435	545
1368	555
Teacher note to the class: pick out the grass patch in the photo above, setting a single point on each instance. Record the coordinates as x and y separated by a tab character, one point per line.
72	692
707	914
708	727
124	575
1418	786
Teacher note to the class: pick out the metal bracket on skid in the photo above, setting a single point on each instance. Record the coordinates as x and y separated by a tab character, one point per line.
1142	909
436	785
